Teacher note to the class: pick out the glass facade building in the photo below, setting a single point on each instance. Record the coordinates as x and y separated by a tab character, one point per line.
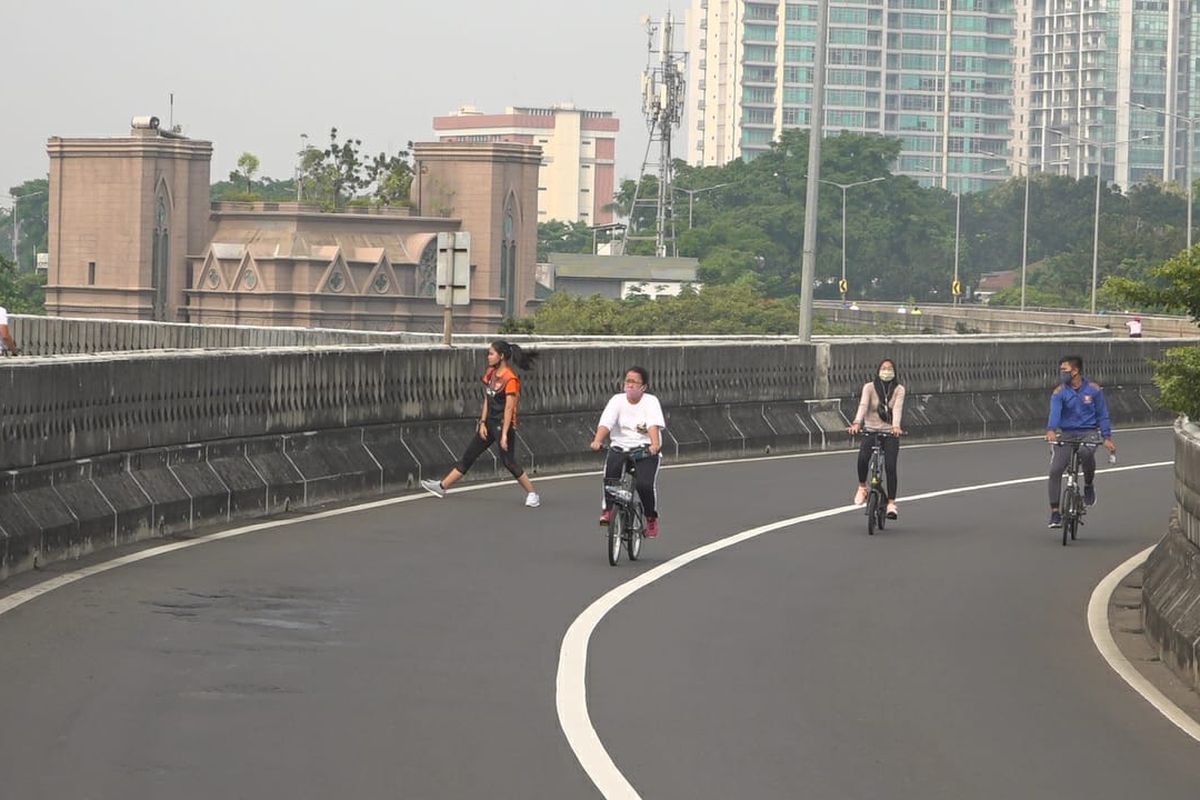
974	89
937	78
1104	72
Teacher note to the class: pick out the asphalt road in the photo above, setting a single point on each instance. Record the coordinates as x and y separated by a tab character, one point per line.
410	651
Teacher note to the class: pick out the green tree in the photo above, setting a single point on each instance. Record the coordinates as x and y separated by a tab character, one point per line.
21	292
556	236
29	209
265	188
247	167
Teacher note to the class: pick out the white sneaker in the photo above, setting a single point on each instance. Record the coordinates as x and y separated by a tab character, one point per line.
532	500
434	488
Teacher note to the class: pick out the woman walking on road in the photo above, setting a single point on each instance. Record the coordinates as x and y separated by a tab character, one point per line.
880	409
497	420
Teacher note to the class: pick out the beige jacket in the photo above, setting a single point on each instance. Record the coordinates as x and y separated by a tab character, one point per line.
868	408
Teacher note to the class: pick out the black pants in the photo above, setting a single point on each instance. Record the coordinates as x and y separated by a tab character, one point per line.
891	455
1058	465
646	479
478	447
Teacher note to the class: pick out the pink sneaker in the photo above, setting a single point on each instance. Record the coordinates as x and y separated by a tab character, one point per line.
606	517
652	528
860	496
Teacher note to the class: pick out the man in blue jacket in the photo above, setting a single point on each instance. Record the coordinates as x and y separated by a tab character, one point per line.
1078	409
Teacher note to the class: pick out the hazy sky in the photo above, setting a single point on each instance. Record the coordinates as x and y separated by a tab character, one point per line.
253	75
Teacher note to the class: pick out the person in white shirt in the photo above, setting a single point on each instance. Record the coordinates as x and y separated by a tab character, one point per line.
8	345
1135	328
633	421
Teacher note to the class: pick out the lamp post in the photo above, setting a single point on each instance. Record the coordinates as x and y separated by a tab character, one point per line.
1191	142
1096	223
16	223
691	193
844	187
957	228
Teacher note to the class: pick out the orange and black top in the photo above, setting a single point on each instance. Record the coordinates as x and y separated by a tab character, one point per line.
501	387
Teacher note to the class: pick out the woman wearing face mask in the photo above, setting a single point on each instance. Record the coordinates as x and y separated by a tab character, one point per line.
880	409
497	420
633	420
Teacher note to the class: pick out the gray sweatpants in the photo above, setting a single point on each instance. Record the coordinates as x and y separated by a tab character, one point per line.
1058	465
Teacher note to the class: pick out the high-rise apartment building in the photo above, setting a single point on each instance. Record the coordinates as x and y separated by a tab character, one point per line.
577	177
1093	66
938	79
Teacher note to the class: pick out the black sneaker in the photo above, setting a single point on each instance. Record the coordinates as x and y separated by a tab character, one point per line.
1089	495
1055	520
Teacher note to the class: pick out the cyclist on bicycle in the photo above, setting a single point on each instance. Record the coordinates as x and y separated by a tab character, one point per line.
633	420
1078	409
880	409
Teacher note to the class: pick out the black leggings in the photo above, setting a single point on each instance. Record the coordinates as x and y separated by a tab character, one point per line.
891	455
478	447
646	479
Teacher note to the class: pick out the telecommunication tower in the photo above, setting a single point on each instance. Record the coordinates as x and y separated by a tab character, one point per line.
662	103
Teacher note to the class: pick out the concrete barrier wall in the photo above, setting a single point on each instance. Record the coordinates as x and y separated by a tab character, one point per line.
1005	319
105	449
63	408
1171	580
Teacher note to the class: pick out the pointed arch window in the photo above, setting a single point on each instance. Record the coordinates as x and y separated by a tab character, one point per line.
161	253
508	260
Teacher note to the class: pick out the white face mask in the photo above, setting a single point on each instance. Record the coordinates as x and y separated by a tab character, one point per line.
886	374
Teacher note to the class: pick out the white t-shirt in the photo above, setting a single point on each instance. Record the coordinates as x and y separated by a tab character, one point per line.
1134	325
629	423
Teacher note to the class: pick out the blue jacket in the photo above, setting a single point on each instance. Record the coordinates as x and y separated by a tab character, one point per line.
1082	409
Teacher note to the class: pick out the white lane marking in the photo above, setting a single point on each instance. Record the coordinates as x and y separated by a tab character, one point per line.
1098	626
19	598
571	680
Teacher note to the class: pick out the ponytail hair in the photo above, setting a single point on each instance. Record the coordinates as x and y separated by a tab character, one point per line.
514	354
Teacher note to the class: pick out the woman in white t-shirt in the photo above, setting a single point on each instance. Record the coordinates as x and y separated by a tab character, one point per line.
633	420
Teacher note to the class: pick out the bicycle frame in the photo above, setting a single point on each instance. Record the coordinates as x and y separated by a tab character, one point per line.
1071	505
876	506
629	519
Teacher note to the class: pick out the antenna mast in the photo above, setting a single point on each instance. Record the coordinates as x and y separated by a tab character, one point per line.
662	104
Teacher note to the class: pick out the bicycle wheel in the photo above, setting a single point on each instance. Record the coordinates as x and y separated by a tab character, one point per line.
633	544
872	512
616	526
1067	507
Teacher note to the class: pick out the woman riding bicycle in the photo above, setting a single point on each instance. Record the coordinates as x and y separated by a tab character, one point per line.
633	420
880	409
497	420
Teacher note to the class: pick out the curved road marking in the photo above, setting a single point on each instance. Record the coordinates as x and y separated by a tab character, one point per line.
571	694
23	596
1098	626
571	681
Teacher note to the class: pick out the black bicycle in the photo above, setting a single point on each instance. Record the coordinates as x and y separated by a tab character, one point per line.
1071	505
876	483
628	523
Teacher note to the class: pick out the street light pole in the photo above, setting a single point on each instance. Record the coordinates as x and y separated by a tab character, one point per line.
808	262
691	193
1191	142
844	187
16	224
957	226
1025	237
1099	177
